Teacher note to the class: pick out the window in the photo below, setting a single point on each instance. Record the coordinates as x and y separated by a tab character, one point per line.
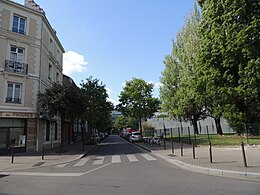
51	48
19	24
50	72
17	54
57	77
14	93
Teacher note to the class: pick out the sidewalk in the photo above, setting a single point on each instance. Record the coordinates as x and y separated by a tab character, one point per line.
226	161
51	157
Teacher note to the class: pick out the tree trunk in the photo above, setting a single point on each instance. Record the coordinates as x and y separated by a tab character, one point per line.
140	123
218	126
195	126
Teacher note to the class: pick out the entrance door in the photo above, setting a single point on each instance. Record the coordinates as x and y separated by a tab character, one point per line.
4	137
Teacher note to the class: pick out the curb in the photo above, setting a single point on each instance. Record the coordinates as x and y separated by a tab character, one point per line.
206	170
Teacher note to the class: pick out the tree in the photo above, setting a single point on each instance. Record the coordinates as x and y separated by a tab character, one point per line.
63	101
97	108
136	100
120	122
180	94
229	58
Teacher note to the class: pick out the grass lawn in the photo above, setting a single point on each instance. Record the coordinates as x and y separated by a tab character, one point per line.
227	139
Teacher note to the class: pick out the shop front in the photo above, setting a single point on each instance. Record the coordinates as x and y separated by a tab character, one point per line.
12	135
14	132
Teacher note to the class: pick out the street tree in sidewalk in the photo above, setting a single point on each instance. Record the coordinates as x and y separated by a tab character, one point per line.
64	101
136	100
229	58
123	122
97	107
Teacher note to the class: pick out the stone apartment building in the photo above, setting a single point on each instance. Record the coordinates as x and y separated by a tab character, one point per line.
30	61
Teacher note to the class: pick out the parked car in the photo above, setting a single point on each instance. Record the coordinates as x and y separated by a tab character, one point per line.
136	136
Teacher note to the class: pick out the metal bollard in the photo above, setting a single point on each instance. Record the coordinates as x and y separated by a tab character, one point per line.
210	151
12	155
181	146
43	153
244	154
193	150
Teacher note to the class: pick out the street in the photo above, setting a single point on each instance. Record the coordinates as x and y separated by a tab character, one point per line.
119	167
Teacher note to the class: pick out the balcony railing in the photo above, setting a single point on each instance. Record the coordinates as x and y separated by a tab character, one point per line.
13	100
17	67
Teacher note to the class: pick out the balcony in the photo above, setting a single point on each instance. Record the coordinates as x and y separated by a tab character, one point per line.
16	67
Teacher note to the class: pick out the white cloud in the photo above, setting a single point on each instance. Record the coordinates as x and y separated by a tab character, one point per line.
157	85
73	62
114	102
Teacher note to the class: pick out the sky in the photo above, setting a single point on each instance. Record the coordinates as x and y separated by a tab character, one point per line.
116	40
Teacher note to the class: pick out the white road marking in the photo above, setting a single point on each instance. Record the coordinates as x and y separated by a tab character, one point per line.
116	159
99	161
62	165
55	174
132	158
81	162
148	157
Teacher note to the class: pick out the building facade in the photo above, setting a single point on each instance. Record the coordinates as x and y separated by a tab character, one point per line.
30	61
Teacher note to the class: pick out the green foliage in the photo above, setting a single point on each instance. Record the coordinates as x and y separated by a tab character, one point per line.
123	122
180	94
136	99
97	108
61	100
229	59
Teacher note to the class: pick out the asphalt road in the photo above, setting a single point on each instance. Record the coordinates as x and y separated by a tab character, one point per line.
118	167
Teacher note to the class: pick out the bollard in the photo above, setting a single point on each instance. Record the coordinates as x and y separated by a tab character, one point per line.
210	151
244	154
181	146
12	155
43	153
83	146
193	150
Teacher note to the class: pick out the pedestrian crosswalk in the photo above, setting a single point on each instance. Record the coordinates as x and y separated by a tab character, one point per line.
99	160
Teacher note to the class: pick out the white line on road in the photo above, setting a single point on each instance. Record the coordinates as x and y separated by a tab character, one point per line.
55	174
81	162
148	157
116	159
132	158
62	165
99	161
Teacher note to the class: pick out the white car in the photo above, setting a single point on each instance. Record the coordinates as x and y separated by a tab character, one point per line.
135	136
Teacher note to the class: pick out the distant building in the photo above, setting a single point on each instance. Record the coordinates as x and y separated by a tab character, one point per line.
30	61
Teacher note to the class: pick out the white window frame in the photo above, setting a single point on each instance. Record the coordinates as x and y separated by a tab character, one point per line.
19	28
14	95
18	55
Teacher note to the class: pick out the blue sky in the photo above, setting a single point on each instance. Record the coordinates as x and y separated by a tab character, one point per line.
116	40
